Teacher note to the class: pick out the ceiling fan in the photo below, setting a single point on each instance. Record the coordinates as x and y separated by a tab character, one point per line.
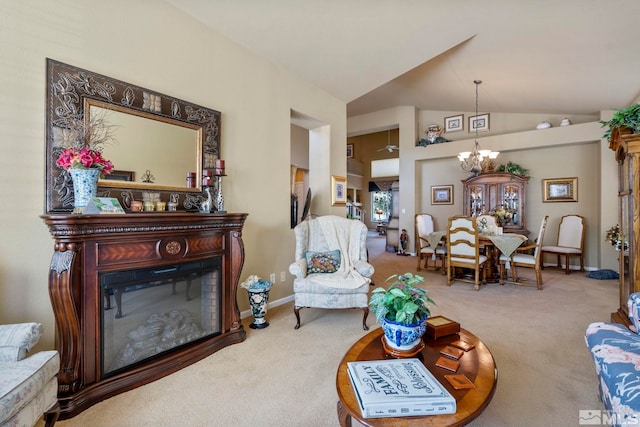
389	147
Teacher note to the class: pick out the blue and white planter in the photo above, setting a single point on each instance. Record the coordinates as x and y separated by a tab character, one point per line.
258	300
402	337
85	187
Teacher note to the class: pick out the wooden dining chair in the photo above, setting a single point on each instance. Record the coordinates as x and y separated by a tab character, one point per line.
462	250
522	259
570	242
425	225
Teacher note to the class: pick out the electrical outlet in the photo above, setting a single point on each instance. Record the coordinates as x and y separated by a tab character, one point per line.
272	277
283	276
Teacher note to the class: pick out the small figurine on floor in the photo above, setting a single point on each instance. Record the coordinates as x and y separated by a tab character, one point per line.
403	242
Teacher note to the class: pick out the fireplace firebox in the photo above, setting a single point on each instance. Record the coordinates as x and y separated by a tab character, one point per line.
139	296
157	310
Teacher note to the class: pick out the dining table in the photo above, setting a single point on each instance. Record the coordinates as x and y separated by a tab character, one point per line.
495	245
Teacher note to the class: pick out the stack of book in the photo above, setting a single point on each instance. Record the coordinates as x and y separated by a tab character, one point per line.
398	388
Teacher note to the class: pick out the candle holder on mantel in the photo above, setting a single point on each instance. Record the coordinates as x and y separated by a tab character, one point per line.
218	173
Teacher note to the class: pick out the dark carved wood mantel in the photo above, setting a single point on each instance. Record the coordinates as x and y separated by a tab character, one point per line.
87	245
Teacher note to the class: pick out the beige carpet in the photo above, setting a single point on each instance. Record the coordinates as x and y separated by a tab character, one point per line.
283	377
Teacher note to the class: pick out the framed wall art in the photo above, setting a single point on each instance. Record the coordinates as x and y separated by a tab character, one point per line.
338	190
479	123
350	151
560	190
442	194
454	123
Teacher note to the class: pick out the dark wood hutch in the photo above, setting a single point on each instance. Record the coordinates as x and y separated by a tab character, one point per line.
87	246
491	190
627	149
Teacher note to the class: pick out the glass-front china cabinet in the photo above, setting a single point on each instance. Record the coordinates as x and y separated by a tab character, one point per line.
497	192
627	148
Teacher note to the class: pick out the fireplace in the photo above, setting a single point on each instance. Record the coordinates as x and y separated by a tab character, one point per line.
139	296
151	311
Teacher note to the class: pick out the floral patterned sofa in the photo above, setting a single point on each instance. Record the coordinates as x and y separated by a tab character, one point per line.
616	353
28	385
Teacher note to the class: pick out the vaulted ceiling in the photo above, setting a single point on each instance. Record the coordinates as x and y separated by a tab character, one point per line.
534	56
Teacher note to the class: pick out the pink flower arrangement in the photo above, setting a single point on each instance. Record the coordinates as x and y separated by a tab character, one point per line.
84	158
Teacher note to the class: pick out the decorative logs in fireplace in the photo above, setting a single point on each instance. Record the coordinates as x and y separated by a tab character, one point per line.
90	250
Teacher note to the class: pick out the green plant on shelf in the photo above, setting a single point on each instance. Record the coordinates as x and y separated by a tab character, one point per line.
513	169
626	117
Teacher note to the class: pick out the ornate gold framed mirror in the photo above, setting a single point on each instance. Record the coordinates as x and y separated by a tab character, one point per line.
161	142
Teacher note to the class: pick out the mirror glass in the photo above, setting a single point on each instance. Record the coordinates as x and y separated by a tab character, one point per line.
149	152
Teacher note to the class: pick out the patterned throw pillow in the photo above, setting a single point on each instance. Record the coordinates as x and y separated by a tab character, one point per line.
323	262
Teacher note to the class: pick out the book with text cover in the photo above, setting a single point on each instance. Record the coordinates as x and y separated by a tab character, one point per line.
398	388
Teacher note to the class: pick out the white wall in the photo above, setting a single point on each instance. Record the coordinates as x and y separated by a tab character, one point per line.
153	45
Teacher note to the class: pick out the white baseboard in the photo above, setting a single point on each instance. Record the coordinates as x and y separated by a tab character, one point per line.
572	267
247	313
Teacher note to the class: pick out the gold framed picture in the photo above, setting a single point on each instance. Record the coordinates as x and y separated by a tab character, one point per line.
338	190
442	194
560	190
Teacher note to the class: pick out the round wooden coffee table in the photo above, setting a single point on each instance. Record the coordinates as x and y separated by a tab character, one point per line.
477	364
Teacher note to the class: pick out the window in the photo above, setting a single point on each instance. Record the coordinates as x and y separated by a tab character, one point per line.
380	205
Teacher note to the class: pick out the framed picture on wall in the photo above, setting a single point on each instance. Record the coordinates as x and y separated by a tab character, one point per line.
454	123
479	123
338	190
442	194
560	190
350	151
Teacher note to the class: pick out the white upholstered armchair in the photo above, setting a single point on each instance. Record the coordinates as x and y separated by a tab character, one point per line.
28	383
331	265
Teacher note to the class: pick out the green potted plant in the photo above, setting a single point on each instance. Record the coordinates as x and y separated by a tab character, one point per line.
514	169
627	117
402	310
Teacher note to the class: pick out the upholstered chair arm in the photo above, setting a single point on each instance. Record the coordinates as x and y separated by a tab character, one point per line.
299	268
17	339
364	268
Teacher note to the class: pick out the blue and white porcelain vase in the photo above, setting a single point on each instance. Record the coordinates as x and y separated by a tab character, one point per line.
258	300
85	186
403	338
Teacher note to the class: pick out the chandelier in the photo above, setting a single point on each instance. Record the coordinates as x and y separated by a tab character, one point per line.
477	160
